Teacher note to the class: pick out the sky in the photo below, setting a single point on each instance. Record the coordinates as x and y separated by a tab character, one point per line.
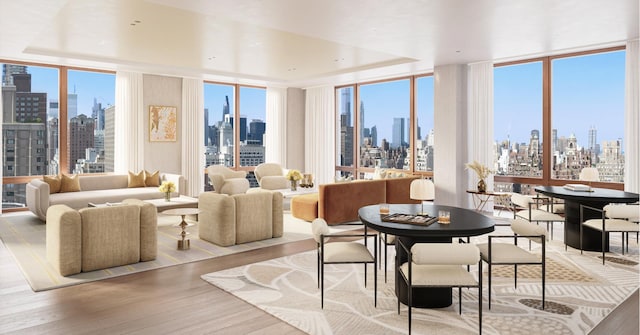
587	91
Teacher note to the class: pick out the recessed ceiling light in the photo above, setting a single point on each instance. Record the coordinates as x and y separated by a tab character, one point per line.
458	51
212	58
291	69
338	59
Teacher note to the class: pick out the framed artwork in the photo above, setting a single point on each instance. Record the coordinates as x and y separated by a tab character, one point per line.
162	123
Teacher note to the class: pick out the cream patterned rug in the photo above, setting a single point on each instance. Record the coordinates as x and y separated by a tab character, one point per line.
580	292
24	236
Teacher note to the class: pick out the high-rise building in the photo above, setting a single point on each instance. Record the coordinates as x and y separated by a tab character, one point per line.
53	141
79	138
72	105
257	129
374	136
361	122
397	132
345	106
109	137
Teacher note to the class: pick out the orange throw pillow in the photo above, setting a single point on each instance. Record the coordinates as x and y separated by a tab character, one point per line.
136	180
54	183
70	183
151	179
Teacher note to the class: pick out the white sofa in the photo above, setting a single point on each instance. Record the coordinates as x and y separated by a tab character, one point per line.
95	189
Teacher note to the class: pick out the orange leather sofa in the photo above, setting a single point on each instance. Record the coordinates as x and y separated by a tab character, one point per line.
339	203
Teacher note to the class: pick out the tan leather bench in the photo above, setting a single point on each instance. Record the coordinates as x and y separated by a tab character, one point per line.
305	206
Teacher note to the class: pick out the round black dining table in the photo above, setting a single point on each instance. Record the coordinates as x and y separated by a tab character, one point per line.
597	198
464	223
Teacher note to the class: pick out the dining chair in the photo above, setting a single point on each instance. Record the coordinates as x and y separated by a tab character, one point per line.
503	253
386	241
529	209
622	218
441	265
344	252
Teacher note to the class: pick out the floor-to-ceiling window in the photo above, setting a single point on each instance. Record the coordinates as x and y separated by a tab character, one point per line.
378	125
234	114
587	115
34	144
555	115
424	131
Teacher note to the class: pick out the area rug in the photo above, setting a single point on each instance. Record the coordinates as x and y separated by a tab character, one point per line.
24	236
580	292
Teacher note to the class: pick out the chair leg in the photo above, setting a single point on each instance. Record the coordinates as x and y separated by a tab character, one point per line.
410	293
385	258
543	282
489	272
375	285
515	276
365	274
322	285
460	300
604	234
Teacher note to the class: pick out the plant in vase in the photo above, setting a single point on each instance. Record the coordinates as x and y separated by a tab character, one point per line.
167	187
482	172
294	176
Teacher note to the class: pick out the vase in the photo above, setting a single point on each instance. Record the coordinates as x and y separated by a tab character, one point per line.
167	196
482	186
294	185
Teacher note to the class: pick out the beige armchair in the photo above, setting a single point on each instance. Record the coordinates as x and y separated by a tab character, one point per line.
100	237
271	176
233	219
227	181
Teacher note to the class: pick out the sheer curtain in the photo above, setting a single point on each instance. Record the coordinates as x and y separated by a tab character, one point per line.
276	126
193	136
320	134
480	120
632	118
129	123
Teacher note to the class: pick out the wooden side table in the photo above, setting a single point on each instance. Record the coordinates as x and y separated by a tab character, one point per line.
184	243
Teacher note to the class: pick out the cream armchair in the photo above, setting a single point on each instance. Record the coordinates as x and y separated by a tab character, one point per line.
234	219
271	176
227	181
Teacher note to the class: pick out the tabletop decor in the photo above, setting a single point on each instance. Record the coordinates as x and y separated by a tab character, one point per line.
293	176
167	187
482	172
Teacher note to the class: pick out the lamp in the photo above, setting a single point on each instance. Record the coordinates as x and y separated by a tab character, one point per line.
422	189
589	174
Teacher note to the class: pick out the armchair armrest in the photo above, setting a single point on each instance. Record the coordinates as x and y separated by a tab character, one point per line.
37	192
177	180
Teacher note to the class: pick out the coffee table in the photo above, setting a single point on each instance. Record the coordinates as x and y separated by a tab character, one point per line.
160	204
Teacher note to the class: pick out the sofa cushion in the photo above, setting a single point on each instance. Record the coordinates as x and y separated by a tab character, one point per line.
151	179
54	183
251	222
136	179
70	183
110	236
78	200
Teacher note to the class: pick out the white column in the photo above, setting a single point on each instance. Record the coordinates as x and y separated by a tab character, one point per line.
632	118
450	94
129	123
276	123
320	133
192	164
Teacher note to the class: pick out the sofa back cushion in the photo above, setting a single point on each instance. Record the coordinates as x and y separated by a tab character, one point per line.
398	190
340	202
110	236
103	182
254	219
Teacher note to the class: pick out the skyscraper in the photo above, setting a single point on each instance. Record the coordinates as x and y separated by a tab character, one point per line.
72	105
397	132
257	129
79	138
361	122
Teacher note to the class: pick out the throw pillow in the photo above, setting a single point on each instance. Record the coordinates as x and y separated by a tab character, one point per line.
151	179
69	183
54	183
136	179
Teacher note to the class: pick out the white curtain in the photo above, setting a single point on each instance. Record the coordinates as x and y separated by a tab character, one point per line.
320	133
193	136
276	126
480	121
1	151
632	118
129	123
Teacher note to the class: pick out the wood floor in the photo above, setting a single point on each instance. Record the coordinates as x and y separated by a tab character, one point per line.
171	300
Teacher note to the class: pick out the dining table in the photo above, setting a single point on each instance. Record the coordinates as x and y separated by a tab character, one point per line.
463	223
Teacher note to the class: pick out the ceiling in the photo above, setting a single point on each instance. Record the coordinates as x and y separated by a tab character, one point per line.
302	43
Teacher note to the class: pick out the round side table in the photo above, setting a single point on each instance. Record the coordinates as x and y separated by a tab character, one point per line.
184	243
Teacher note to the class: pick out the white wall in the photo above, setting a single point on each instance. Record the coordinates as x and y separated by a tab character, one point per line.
162	91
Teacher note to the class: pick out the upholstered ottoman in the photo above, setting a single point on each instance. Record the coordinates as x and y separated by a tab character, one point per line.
305	206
